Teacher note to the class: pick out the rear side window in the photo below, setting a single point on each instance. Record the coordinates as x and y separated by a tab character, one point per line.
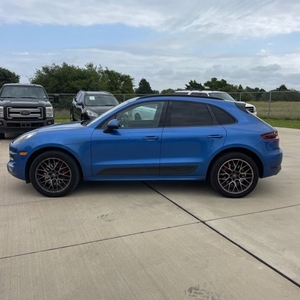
183	113
222	116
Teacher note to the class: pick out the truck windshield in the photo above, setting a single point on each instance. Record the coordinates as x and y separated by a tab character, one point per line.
34	92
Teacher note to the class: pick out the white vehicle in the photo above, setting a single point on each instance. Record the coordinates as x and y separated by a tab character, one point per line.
216	94
144	112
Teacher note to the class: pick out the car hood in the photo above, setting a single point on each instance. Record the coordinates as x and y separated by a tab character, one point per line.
100	109
23	100
60	135
61	126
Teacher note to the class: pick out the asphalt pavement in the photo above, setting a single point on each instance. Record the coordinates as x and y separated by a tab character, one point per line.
152	240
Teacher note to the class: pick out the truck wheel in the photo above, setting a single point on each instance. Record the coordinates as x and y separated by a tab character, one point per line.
2	136
234	175
54	174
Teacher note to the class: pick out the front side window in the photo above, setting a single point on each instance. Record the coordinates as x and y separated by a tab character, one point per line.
79	98
184	113
143	115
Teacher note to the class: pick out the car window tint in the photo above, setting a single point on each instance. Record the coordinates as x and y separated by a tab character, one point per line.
189	114
221	95
181	93
98	100
222	116
199	94
23	91
80	98
143	115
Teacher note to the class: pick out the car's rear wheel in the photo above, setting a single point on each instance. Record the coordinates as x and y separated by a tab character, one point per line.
54	174
234	175
2	136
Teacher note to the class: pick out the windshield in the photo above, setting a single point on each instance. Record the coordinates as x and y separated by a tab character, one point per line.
35	92
100	100
221	95
111	110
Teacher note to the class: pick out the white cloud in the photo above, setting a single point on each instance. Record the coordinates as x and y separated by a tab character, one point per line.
198	39
233	17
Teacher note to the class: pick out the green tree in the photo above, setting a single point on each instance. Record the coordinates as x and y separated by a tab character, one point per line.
194	85
68	78
144	88
219	85
282	93
282	88
251	94
168	91
6	76
115	82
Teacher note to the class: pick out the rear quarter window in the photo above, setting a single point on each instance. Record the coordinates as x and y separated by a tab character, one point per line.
222	116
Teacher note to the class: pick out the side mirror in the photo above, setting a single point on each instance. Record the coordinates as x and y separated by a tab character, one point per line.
56	98
112	125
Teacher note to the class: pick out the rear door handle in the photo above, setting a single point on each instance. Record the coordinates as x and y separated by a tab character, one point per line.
150	138
215	136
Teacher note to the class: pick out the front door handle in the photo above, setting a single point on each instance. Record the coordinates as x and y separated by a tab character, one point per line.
150	138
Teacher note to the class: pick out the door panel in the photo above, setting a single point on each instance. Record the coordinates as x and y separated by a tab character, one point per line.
189	139
126	152
133	149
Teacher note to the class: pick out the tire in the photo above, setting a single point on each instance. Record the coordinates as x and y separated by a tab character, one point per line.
137	117
54	174
2	136
71	117
234	175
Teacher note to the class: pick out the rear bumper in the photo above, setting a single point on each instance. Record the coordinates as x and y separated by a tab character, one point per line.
273	164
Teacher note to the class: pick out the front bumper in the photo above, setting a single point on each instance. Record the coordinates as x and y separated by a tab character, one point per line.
23	126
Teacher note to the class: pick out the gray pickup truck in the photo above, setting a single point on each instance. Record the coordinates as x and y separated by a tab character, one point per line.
24	107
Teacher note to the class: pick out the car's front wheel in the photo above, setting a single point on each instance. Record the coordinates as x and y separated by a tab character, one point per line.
234	175
71	116
54	174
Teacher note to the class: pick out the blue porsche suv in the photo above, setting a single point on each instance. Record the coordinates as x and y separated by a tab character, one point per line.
160	137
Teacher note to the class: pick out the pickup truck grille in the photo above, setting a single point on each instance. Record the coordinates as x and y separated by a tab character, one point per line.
22	113
250	109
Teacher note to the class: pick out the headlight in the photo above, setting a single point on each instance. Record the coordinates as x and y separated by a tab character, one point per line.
1	112
24	137
49	112
91	113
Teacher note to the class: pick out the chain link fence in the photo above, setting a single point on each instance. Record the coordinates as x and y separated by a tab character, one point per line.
274	104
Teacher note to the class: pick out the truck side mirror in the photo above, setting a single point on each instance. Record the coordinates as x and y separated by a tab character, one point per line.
56	98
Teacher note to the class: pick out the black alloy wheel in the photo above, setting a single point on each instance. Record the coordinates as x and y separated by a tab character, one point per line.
234	175
54	174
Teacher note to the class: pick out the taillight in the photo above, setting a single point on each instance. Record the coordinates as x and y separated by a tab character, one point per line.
270	135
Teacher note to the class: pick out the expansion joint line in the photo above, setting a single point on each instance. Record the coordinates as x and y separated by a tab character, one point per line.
226	237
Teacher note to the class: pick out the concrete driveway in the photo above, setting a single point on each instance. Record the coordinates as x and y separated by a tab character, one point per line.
152	240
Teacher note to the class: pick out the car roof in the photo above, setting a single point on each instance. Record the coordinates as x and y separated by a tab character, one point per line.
199	91
180	97
21	84
96	92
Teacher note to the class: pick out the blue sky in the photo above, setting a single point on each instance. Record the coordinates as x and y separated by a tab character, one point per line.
253	43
